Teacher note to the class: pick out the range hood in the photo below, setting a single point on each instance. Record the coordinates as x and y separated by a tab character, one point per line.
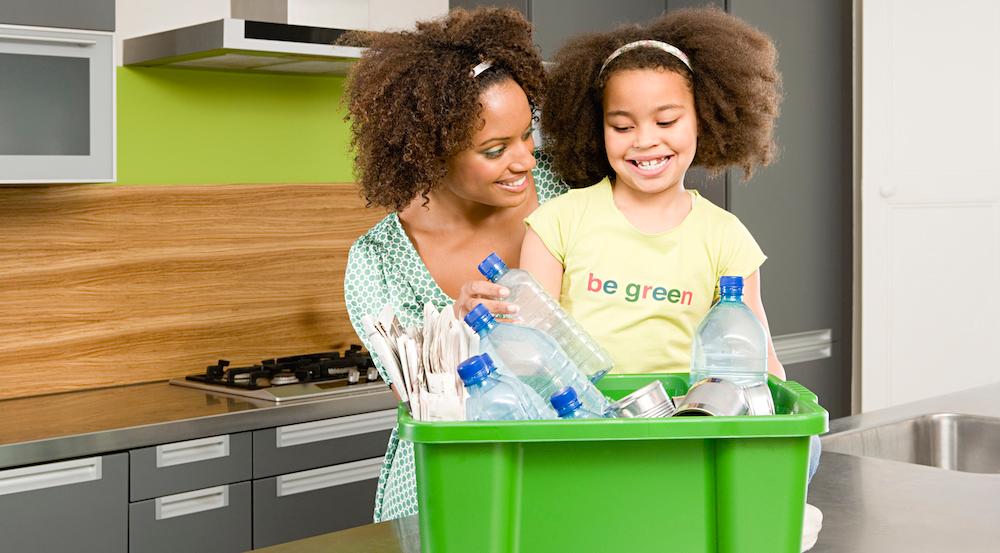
244	45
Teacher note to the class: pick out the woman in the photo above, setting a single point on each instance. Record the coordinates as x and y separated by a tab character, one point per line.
442	125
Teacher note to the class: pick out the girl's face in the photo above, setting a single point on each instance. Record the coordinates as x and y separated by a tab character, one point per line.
650	128
496	169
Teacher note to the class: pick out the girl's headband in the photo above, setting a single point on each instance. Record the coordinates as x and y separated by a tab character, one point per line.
668	48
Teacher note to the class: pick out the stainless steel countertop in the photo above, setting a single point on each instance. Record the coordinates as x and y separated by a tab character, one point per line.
60	426
869	505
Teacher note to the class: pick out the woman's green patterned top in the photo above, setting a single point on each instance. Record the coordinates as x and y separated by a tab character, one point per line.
383	268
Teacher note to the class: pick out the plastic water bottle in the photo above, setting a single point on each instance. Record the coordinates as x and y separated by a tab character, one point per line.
490	399
567	405
730	342
534	357
534	405
538	309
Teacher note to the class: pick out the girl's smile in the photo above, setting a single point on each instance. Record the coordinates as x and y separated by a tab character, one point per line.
650	129
650	166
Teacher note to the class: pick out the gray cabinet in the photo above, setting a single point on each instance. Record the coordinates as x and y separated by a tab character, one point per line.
800	208
554	23
94	15
213	494
557	20
231	492
211	520
317	477
78	505
191	496
56	105
307	503
298	447
192	464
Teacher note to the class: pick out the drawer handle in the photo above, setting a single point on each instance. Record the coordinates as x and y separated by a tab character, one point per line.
192	451
803	346
340	427
328	477
187	503
51	40
50	475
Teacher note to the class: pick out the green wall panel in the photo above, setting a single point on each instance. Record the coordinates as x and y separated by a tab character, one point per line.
178	126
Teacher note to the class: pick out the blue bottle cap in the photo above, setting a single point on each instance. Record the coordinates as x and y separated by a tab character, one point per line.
473	370
493	267
730	281
731	286
565	401
490	365
479	318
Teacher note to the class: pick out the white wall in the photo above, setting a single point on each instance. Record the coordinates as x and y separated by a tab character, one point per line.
930	193
141	17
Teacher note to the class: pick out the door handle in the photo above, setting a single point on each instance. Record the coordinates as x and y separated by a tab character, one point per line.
50	475
803	346
50	40
192	451
188	503
340	427
328	477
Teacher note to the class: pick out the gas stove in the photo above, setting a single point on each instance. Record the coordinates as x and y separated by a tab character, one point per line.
292	378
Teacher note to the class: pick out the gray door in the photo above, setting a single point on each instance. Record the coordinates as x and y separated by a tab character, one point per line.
799	209
557	20
79	505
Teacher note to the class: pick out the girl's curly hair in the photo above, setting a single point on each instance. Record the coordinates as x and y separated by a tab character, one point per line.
734	79
413	104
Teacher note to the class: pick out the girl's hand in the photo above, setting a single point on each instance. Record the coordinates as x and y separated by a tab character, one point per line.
487	293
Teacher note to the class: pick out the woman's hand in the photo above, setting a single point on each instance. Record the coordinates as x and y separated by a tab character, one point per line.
487	293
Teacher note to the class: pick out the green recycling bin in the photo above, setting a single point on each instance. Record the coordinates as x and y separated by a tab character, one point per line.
685	484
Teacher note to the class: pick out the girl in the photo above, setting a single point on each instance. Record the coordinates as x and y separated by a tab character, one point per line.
442	124
636	257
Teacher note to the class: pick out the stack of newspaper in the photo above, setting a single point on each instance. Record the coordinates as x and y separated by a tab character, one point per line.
422	361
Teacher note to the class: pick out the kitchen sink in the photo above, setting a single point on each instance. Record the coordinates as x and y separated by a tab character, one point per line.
964	443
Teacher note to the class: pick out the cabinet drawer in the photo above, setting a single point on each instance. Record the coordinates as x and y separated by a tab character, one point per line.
211	520
193	464
79	505
312	502
321	443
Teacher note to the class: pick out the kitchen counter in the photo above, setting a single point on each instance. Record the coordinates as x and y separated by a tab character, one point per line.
61	426
869	505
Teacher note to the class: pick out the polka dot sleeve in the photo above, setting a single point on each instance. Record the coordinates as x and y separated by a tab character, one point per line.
364	285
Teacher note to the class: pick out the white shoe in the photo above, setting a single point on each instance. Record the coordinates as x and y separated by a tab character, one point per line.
812	522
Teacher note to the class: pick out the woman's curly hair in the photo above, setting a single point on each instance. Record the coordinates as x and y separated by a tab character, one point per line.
734	80
413	104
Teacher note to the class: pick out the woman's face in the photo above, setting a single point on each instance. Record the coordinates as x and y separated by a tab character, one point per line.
650	128
496	169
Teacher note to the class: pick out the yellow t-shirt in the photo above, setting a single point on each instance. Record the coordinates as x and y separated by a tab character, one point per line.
642	296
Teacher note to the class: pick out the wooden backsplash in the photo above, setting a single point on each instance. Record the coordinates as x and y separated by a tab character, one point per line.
106	285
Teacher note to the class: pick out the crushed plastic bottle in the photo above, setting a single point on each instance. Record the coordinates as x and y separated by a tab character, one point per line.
537	309
490	399
533	357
